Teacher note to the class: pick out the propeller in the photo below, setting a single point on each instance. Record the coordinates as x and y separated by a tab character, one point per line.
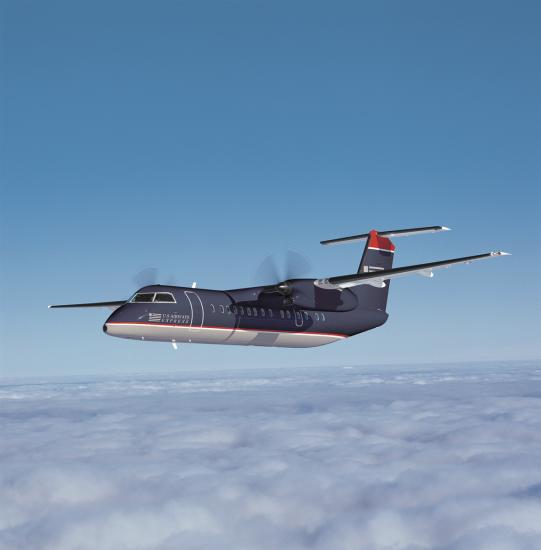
151	276
146	277
294	267
267	271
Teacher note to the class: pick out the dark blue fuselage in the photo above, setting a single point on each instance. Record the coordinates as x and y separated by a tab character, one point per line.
308	317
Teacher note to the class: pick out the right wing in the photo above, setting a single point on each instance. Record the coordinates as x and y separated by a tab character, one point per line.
378	278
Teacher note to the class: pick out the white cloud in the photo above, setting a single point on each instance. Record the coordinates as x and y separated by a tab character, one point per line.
389	458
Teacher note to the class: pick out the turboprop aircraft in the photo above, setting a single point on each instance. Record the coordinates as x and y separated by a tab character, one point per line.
291	313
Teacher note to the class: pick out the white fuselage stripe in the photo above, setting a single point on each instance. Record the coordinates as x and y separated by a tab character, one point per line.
163	332
231	329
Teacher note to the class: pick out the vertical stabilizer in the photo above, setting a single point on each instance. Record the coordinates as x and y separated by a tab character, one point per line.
378	255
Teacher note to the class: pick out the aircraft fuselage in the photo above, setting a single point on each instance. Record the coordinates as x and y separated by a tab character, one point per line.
249	316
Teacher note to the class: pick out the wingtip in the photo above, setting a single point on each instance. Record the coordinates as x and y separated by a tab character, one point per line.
444	228
49	307
501	253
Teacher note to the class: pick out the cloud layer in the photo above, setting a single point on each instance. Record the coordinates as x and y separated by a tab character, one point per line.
382	457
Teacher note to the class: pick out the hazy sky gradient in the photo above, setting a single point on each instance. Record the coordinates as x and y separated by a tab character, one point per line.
201	136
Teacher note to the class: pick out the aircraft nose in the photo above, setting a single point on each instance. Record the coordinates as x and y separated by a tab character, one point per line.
111	318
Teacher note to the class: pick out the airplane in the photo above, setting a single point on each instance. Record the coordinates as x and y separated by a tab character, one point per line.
294	313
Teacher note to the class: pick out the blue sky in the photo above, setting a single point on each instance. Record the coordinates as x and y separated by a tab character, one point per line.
200	137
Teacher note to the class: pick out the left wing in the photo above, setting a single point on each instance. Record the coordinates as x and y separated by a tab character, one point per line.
112	305
378	278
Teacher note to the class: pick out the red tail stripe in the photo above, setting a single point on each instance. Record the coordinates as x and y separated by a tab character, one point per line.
377	241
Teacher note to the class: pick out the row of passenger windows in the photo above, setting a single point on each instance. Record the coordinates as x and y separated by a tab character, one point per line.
262	312
153	297
250	311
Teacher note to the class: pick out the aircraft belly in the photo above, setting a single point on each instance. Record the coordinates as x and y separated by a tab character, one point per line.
218	335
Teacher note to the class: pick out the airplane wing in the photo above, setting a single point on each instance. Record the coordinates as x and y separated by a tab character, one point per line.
112	305
378	278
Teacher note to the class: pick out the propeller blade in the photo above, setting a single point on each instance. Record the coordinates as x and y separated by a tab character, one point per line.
146	277
296	265
267	271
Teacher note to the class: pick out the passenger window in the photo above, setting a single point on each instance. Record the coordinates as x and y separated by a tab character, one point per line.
288	314
317	316
144	297
270	312
221	309
235	310
249	311
164	297
282	313
322	316
228	310
262	312
305	315
212	308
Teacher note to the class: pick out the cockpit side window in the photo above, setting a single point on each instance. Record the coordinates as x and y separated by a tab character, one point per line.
164	297
143	297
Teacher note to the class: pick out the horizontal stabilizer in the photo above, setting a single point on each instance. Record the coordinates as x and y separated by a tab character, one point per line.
378	278
393	233
112	305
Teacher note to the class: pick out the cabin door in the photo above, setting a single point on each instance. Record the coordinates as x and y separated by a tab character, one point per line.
196	308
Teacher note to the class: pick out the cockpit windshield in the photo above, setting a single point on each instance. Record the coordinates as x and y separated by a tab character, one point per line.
143	297
164	297
151	297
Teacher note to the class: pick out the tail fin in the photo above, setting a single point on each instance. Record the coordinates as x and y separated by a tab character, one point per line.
378	253
378	256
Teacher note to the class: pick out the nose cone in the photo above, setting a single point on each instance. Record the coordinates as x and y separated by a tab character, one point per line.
111	319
